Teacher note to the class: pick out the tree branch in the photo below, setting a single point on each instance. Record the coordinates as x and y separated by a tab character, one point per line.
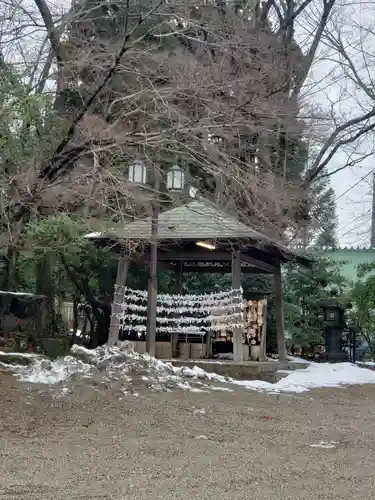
50	26
50	170
318	165
309	58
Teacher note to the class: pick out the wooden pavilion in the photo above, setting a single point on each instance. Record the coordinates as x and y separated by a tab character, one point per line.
197	237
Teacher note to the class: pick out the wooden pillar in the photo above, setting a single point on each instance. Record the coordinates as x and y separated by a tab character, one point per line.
153	281
178	290
279	311
236	284
118	297
263	338
179	276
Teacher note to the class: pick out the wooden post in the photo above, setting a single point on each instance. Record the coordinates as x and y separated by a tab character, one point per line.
153	280
179	276
372	242
279	310
118	297
236	284
178	289
263	338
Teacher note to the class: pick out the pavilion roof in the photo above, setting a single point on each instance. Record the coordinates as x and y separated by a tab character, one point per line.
197	220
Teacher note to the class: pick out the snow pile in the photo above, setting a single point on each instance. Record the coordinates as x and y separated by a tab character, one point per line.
44	371
115	363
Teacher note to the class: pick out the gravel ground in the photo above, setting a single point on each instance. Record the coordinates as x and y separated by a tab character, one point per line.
182	445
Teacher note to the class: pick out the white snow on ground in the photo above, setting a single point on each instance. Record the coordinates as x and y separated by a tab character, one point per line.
296	359
325	444
19	354
316	375
114	363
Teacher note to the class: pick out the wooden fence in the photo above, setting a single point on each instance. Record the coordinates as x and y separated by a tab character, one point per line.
67	312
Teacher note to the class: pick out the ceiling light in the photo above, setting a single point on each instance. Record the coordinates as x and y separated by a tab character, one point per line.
205	244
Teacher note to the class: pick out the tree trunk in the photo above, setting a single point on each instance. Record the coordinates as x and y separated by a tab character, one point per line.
9	282
44	286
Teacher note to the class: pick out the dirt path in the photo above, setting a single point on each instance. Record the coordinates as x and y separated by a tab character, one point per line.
216	445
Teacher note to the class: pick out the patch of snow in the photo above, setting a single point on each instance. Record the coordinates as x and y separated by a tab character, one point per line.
296	359
121	364
218	388
20	354
324	444
78	333
93	235
199	411
224	355
316	375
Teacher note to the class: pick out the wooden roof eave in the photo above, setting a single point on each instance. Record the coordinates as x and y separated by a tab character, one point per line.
266	254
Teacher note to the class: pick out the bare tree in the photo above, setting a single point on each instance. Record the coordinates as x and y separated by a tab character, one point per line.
215	86
349	123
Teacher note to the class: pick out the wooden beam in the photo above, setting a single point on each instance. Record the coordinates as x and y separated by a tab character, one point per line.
220	270
212	256
236	284
205	256
259	264
226	268
279	312
118	297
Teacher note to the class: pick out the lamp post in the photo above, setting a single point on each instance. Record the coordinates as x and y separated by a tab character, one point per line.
175	183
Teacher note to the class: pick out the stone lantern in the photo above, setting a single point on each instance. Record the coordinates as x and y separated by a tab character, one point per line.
334	326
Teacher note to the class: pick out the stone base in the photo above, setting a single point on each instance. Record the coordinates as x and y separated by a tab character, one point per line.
163	350
248	370
255	352
139	346
328	357
55	347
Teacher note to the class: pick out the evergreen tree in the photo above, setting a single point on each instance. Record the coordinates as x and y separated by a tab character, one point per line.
306	290
322	231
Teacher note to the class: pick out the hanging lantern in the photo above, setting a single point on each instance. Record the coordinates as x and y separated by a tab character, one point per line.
176	179
138	173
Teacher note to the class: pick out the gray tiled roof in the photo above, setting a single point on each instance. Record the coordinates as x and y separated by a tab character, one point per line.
198	220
